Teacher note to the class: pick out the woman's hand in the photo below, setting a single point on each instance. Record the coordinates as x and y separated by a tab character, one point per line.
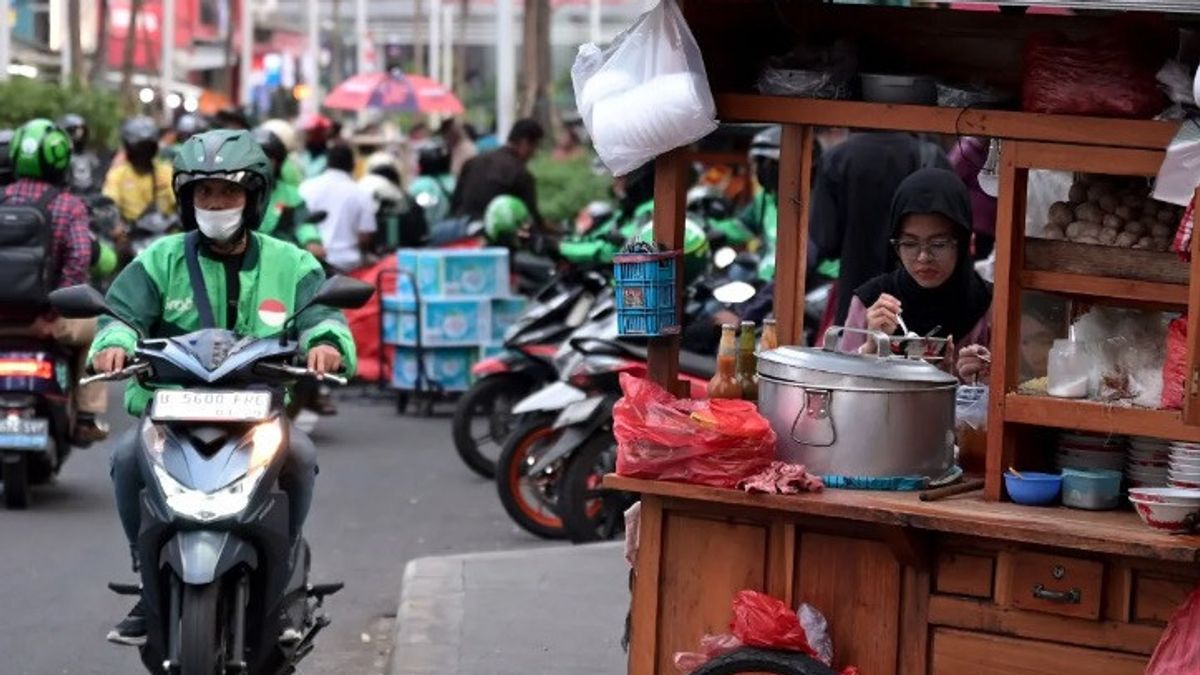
882	315
973	362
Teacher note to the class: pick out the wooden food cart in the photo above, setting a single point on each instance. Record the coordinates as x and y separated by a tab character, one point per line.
972	584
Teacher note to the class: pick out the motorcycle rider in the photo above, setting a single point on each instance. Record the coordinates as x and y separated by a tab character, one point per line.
399	221
223	181
318	132
434	184
141	184
85	176
291	172
286	211
188	125
40	155
635	199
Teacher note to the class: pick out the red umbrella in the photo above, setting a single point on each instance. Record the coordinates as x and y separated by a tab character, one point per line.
394	93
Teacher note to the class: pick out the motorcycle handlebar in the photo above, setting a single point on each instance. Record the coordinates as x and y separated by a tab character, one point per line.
117	375
295	371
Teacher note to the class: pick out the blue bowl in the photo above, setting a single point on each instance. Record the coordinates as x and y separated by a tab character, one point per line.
1033	489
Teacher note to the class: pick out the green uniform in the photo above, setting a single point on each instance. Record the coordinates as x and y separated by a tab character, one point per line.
604	241
154	294
291	172
286	201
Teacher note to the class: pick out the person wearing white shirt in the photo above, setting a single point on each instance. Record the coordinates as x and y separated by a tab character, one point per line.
347	230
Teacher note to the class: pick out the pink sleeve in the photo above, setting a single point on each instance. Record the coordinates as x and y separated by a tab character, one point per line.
856	317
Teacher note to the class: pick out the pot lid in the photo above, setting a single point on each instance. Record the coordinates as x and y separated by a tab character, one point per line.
781	364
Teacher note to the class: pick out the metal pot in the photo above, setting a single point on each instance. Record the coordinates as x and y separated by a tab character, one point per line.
858	415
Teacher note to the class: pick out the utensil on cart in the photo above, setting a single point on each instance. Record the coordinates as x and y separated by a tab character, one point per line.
969	485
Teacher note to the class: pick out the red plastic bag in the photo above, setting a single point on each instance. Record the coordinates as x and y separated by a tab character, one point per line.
717	442
1178	650
1175	367
1107	77
711	646
762	621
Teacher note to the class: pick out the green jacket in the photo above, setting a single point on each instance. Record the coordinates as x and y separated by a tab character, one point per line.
605	240
286	201
154	294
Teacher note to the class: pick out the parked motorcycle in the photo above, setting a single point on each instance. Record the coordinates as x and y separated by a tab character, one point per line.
36	415
483	415
224	589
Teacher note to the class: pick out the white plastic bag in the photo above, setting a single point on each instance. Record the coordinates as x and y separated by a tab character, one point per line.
646	93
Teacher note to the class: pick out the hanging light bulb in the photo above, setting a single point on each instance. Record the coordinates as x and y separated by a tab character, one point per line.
989	177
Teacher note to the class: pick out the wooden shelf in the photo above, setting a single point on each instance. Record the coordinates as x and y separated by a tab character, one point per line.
1106	288
1144	134
1110	262
1046	411
1111	532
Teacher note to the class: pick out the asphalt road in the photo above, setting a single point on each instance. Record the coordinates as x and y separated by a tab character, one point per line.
390	489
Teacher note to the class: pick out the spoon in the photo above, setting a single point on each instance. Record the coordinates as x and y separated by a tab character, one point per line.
1016	473
907	332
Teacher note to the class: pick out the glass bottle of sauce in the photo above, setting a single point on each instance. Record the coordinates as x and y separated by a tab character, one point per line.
747	365
770	336
725	383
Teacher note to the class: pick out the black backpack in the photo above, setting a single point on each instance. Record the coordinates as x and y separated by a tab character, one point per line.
26	241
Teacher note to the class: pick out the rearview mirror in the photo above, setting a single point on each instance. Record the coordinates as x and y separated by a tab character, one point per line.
316	217
79	302
341	292
734	293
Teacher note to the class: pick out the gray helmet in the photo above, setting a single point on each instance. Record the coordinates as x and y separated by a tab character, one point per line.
766	143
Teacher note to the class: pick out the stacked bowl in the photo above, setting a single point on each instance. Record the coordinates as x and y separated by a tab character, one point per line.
1170	510
1184	465
1148	462
1078	450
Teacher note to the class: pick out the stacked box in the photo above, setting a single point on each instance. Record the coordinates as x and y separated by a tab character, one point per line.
504	313
449	367
449	272
445	322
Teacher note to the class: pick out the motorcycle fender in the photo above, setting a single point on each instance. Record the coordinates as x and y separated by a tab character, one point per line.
492	366
551	398
201	557
573	438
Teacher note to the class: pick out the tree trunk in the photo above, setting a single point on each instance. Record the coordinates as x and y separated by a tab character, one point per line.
100	58
459	80
420	39
337	73
535	63
75	40
131	36
230	53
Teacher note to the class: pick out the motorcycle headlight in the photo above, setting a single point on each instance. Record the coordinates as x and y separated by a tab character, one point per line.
265	441
208	506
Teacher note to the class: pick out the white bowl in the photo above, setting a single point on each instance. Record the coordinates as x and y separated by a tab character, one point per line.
1166	495
1147	471
1179	483
1167	517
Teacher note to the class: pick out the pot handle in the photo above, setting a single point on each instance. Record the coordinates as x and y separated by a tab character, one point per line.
818	418
883	344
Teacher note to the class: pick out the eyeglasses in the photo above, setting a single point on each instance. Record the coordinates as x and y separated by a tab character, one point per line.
936	249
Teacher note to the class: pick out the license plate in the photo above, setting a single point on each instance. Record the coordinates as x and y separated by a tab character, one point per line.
203	405
575	413
17	433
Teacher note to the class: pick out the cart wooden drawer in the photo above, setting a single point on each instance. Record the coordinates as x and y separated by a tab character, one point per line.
958	652
1156	597
962	573
1055	584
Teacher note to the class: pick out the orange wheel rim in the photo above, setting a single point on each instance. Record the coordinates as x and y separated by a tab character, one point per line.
516	481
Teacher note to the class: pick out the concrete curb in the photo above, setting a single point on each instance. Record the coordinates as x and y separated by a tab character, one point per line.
527	611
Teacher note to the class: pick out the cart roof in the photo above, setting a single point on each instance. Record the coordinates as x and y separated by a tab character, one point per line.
1185	6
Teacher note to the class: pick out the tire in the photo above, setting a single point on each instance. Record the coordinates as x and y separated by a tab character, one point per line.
588	512
16	481
490	400
202	644
530	505
755	660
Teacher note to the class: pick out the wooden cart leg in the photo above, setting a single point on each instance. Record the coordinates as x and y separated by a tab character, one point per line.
643	635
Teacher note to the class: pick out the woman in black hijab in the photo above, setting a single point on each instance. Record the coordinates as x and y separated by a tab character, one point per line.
935	288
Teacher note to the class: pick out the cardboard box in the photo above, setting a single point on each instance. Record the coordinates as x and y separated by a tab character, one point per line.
449	367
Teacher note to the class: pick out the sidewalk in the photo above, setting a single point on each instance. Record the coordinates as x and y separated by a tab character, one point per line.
544	610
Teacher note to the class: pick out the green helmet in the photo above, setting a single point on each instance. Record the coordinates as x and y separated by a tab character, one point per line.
225	154
695	248
504	217
40	150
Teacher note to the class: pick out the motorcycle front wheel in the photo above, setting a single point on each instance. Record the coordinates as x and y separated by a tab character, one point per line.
588	511
202	644
529	501
15	474
483	420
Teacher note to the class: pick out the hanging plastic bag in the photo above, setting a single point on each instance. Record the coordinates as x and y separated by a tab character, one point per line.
1178	650
716	442
1107	77
1175	367
646	93
760	620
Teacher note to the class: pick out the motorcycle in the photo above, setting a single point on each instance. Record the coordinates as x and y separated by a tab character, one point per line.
483	415
224	588
36	415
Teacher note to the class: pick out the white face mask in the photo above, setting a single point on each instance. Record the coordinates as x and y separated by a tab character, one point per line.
219	226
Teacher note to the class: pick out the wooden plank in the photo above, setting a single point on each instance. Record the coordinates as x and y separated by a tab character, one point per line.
975	615
791	255
957	652
1191	388
781	560
709	561
1114	532
1118	592
1091	159
670	204
964	574
1104	289
1066	257
1045	411
1006	313
856	584
1155	598
913	645
1057	574
1145	134
643	634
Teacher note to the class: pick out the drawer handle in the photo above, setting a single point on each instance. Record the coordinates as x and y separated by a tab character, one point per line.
1071	597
